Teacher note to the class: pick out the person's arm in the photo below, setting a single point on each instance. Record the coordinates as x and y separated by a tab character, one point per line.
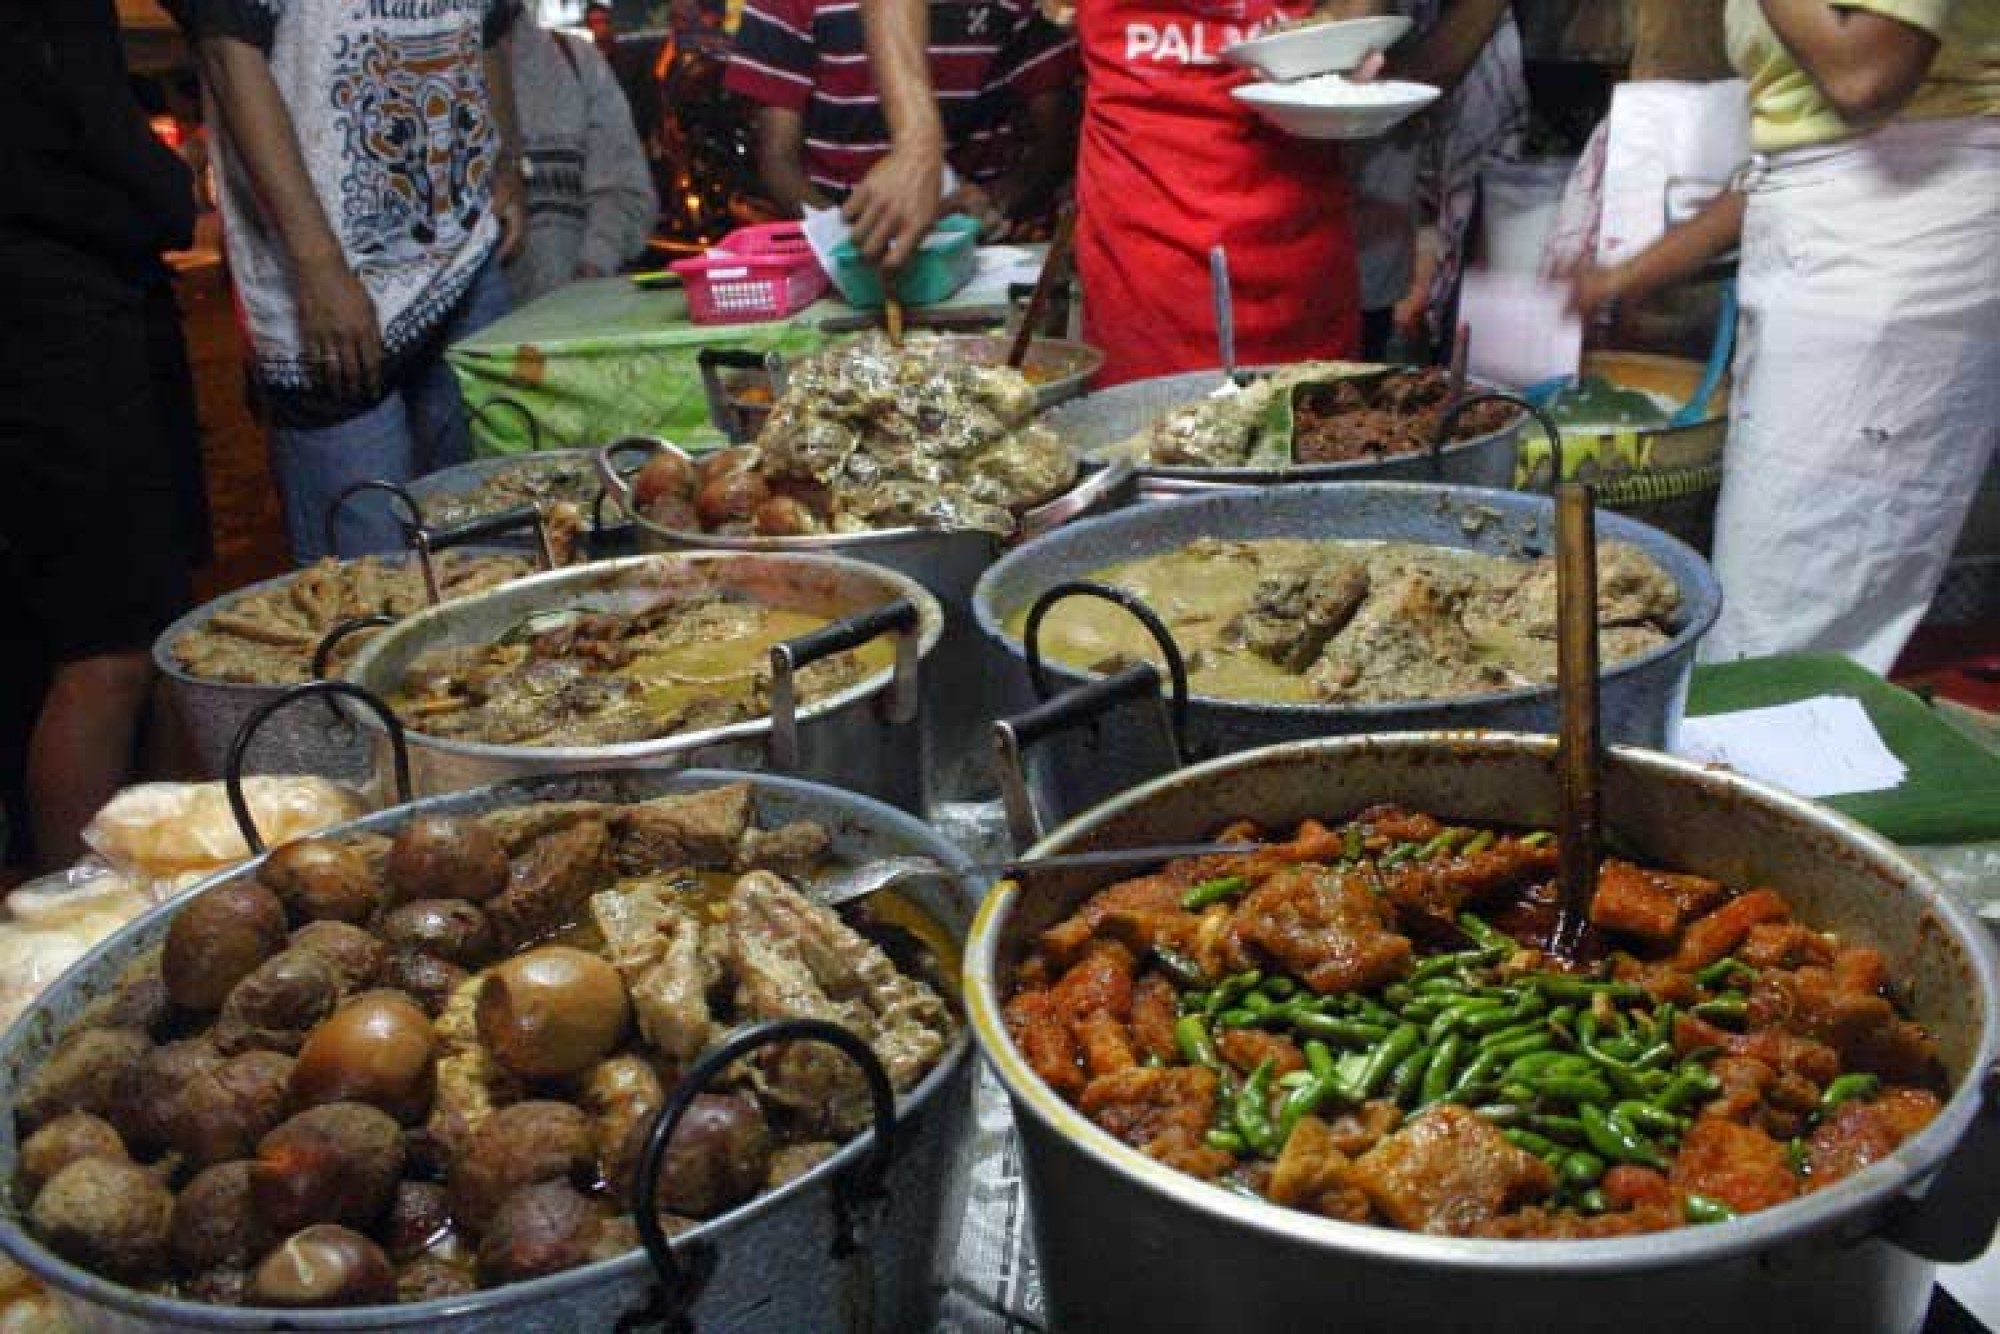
1025	189
1443	53
509	199
617	181
781	161
338	331
1679	254
1867	65
893	207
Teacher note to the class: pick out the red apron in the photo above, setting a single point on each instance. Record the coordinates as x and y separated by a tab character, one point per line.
1170	164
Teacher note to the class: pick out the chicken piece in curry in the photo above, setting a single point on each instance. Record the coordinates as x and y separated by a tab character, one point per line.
1291	620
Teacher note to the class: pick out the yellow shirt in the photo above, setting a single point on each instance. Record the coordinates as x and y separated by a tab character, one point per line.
1787	110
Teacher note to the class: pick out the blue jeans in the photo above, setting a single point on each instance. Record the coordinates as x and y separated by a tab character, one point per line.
419	428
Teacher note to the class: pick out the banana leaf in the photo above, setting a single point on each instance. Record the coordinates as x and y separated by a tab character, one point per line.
1273	435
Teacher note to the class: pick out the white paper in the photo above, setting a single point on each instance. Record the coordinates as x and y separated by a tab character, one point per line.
1523	331
1820	747
826	231
1667	143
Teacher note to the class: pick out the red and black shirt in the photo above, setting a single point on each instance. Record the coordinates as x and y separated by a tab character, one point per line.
987	57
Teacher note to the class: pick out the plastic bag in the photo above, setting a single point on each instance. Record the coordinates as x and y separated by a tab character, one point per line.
54	921
167	832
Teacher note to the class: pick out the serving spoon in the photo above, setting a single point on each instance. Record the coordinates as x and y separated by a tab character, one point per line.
858	882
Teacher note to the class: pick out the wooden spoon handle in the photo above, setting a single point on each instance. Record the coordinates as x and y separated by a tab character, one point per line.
1578	755
1053	265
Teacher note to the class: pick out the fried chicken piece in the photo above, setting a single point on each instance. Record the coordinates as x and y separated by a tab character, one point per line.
1859	1133
1313	1174
1739	1165
1163	1112
1448	1171
1327	929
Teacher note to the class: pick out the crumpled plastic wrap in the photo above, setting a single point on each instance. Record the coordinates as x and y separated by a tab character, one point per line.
169	832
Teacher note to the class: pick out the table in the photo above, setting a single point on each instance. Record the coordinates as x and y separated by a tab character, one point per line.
594	361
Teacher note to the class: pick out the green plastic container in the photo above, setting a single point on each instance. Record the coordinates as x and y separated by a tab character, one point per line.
942	267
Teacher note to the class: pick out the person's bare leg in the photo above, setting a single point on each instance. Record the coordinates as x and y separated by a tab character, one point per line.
84	747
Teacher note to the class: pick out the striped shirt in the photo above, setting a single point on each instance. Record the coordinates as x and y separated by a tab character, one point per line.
987	58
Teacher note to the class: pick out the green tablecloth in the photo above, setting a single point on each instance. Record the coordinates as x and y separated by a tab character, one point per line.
598	360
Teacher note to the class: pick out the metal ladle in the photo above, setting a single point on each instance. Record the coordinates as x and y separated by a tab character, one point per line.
858	882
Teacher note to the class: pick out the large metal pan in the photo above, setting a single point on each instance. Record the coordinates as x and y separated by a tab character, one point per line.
948	563
1642	697
1098	422
778	1266
445	495
308	741
858	738
1127	1244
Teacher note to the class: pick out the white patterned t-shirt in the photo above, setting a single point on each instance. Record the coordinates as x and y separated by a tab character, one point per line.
388	103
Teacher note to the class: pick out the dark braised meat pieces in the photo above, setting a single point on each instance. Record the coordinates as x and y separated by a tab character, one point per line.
1383	416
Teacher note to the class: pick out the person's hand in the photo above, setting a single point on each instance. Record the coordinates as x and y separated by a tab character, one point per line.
1591	288
510	207
973	201
893	208
338	331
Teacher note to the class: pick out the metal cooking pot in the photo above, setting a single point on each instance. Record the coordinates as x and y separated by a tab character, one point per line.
958	709
438	491
305	741
857	738
773	1266
1127	1244
1098	422
1641	697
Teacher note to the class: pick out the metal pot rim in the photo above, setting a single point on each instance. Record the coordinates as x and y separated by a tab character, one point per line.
1868	1189
1701	605
47	1266
930	622
196	617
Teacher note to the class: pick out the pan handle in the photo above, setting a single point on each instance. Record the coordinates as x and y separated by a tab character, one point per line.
1103	488
323	655
1953	1221
427	542
858	1195
483	415
239	747
1170	649
1012	737
413	520
1442	436
617	475
788	659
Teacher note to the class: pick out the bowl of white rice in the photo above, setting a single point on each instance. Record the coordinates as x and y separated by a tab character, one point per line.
1331	107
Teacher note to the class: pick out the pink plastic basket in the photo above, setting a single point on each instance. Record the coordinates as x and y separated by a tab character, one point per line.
754	273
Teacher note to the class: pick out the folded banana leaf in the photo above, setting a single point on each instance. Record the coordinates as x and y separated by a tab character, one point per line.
1273	435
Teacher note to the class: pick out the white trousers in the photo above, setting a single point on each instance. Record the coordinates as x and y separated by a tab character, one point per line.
1867	395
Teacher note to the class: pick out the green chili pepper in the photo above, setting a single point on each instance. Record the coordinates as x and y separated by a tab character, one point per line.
1226	1140
1481	933
1481	841
1729	1005
1533	1143
1797	1157
1238	1018
1281	987
1402	1086
1349	1032
1653	1120
1701	1209
1288	1082
1568	1129
1319	1059
1615	1140
1537	839
1525	1044
1230	990
1252	1113
1683	1088
1193	1000
1538	1063
1571	1088
1439	964
1383	1059
1195	1043
1213	891
1721	970
1448	988
1594	1201
1581	1170
1351	846
1503	1016
1438	1072
1307	1099
1502	1113
1442	843
1481	1068
1561	986
1183	971
1846	1089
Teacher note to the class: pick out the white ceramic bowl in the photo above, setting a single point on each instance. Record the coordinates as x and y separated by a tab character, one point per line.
1330	107
1320	48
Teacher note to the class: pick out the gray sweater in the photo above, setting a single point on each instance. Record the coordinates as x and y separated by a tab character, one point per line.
589	189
